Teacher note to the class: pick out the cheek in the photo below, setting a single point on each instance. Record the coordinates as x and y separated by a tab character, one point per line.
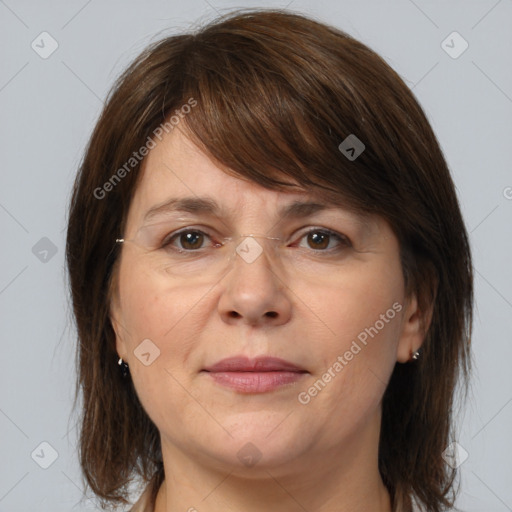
358	301
170	319
360	322
154	309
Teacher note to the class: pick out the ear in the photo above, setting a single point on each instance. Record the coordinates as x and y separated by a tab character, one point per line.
415	324
117	324
121	347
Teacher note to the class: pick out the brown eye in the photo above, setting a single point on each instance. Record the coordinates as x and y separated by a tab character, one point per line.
191	240
324	241
318	240
186	240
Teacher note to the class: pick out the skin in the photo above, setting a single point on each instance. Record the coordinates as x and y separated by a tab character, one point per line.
319	456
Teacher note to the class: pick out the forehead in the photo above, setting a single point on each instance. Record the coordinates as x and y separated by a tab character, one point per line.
177	167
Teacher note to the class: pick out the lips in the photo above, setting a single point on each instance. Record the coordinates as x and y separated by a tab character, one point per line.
258	375
258	364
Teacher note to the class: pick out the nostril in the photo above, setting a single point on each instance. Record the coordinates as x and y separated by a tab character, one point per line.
271	314
234	314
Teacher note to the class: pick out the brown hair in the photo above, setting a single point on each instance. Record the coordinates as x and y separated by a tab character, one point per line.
276	94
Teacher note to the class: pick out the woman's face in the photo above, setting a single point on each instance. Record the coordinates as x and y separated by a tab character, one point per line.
333	308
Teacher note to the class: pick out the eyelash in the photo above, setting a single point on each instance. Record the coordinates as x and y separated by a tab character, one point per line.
343	240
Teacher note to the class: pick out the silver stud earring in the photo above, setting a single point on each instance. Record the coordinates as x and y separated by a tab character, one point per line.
416	355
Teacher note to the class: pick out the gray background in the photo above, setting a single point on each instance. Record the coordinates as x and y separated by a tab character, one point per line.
48	108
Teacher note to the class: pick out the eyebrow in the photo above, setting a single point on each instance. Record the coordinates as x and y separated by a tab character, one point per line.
204	205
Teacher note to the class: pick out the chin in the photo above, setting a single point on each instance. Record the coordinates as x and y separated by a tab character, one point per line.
258	445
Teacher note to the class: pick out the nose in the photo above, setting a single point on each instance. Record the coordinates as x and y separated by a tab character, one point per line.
253	293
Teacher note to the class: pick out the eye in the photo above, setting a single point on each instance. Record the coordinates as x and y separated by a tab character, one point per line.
323	239
188	240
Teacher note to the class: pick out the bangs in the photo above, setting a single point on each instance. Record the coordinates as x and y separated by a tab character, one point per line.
260	116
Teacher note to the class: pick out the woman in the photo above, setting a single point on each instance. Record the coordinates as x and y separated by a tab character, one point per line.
265	237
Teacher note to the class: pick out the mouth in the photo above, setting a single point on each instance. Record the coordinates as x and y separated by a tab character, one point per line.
258	375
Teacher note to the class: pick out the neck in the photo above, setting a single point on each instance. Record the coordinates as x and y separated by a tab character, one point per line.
335	479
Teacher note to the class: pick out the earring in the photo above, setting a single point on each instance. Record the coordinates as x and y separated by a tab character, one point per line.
124	367
416	355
